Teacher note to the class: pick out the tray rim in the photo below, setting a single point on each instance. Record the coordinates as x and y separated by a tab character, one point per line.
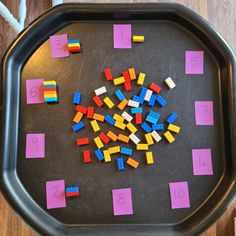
9	174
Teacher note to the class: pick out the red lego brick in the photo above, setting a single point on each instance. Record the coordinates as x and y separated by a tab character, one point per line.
72	194
127	86
104	138
82	141
98	101
49	89
81	109
74	49
108	74
87	156
126	76
90	112
138	118
154	87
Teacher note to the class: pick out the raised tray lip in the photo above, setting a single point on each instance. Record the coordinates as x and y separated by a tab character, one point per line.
10	184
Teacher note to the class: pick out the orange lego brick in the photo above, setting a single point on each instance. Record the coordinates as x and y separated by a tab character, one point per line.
123	138
122	104
132	162
98	117
78	117
112	136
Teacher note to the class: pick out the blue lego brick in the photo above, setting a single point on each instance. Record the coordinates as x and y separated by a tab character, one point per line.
137	99
109	120
73	41
152	101
171	118
74	189
154	114
126	151
50	86
76	98
143	92
119	95
135	110
78	126
120	163
151	119
53	99
161	101
158	127
146	127
99	154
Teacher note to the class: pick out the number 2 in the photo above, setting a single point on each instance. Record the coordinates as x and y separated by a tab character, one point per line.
193	61
121	199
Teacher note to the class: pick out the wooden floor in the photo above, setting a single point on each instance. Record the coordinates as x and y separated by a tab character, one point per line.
220	13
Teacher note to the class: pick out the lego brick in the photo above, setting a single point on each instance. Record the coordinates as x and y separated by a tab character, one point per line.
170	83
100	91
138	38
49	83
131	127
173	128
78	117
107	156
108	74
104	138
149	139
99	154
154	114
48	100
131	162
113	150
118	118
123	138
72	191
132	103
135	110
161	101
127	86
134	138
108	102
141	79
146	127
169	137
122	104
152	101
109	120
127	116
154	87
95	125
126	76
98	117
132	73
112	136
71	41
98	142
142	146
87	156
73	45
81	109
82	141
148	95
90	112
171	118
156	136
126	151
120	164
149	158
119	80
151	119
78	126
158	127
119	95
74	49
98	101
143	92
120	125
138	119
137	99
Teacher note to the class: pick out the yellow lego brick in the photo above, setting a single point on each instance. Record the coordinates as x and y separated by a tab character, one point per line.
71	45
122	104
149	139
50	95
49	82
173	128
95	125
112	136
142	146
108	102
113	150
123	138
138	38
98	117
107	156
120	125
132	162
131	127
98	142
119	80
149	158
169	137
141	79
132	74
118	118
78	117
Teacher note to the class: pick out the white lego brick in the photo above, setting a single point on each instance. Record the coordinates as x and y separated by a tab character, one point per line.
127	116
132	103
170	83
100	90
134	138
148	95
156	136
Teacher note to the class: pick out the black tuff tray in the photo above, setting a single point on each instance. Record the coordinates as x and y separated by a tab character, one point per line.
169	30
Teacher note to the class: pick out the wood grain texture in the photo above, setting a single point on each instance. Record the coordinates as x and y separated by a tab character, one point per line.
221	14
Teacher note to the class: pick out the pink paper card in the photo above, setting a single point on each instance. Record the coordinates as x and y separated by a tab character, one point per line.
122	36
194	62
34	91
179	195
58	45
202	162
55	194
204	113
122	202
35	146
